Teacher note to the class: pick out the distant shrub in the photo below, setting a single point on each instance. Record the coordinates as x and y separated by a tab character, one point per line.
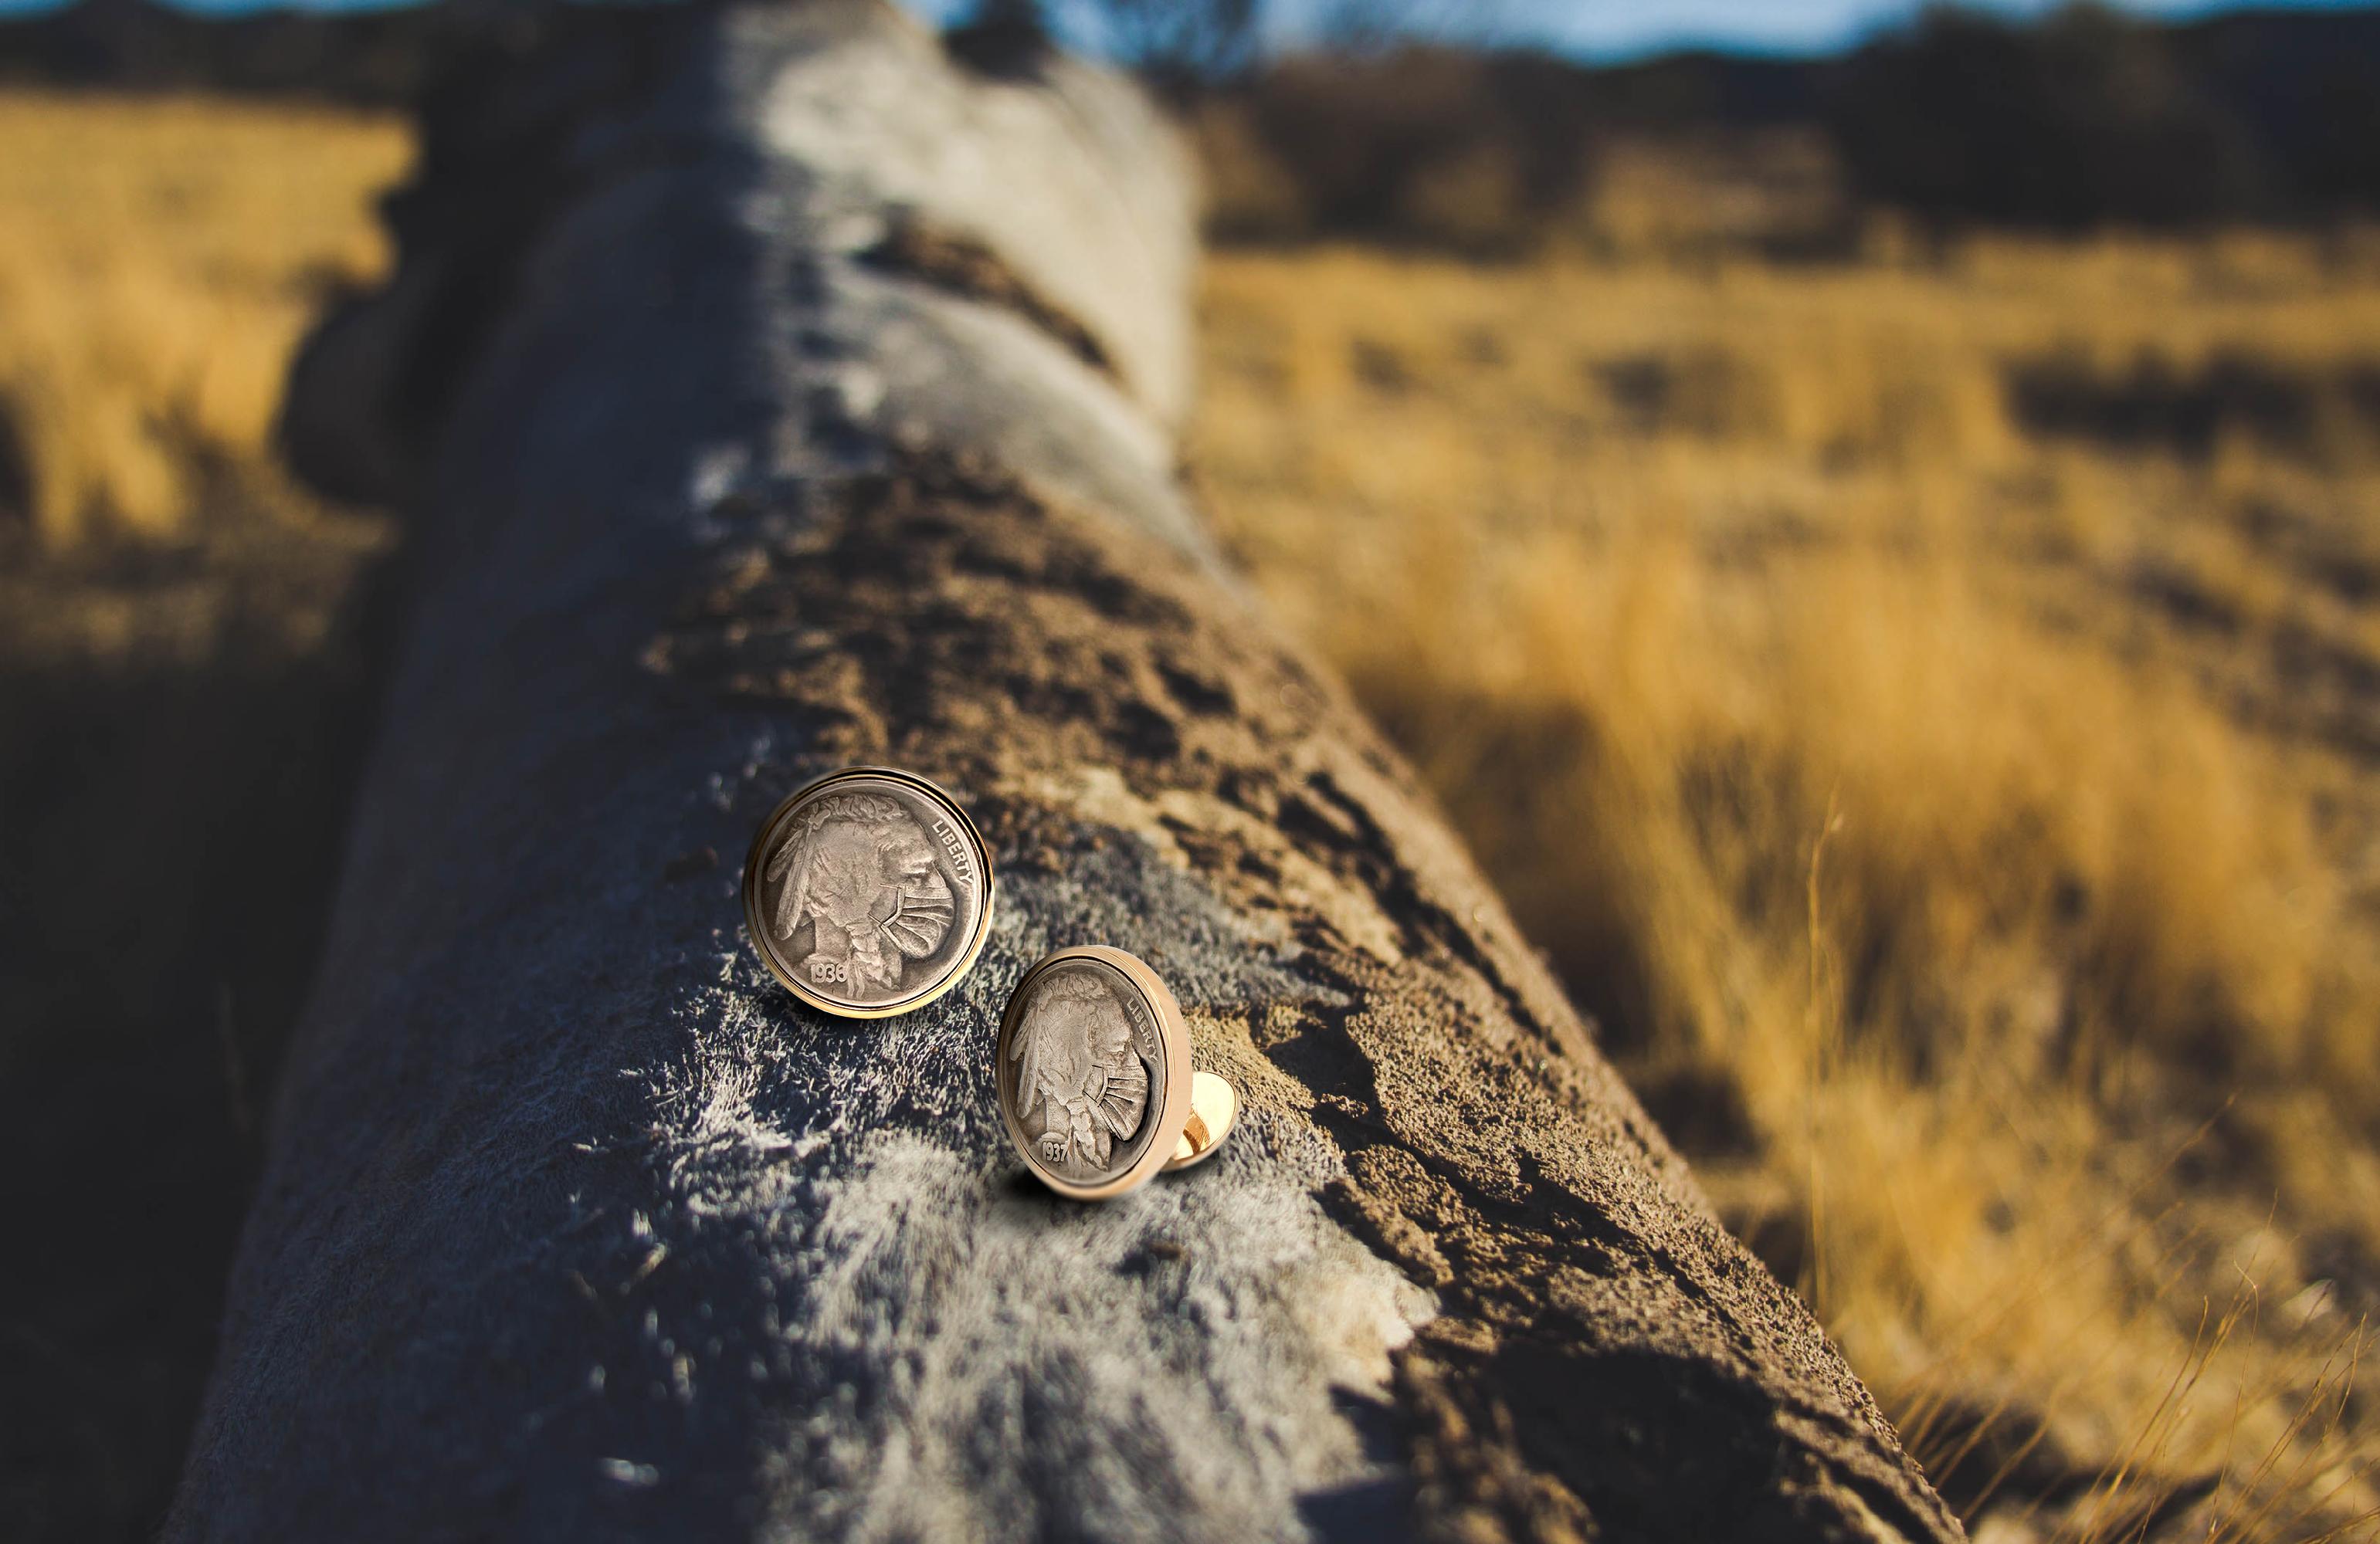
16	473
1468	150
1431	145
2154	402
2085	118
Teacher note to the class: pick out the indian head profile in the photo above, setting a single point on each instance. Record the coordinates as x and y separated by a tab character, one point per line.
867	892
1082	1074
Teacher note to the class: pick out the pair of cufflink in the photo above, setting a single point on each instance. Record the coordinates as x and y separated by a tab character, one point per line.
869	893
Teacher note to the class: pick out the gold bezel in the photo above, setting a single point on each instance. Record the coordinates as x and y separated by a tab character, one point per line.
1174	1108
756	922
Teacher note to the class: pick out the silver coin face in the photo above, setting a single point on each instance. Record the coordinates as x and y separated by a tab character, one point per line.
869	892
1093	1071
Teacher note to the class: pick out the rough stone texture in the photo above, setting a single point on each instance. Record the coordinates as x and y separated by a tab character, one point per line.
577	1228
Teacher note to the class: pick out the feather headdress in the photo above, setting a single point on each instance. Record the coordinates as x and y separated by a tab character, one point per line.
886	823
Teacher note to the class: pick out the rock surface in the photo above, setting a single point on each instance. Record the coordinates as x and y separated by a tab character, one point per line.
826	417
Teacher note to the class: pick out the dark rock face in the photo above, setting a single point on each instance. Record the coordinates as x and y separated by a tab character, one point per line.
576	1227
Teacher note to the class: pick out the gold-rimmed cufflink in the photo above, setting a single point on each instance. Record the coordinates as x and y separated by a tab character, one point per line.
1095	1084
867	892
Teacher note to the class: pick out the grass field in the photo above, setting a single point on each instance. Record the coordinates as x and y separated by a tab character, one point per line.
1931	714
158	261
1928	705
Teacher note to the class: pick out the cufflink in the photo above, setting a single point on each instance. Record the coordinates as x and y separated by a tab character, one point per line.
1095	1084
867	892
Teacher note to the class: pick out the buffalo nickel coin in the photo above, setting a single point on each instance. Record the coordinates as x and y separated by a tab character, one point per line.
1093	1071
869	892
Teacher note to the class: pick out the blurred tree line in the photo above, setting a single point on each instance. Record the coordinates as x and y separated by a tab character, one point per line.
1372	124
2090	116
2085	116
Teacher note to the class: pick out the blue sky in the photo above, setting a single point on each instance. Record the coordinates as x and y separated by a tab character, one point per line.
1620	29
1586	29
1632	29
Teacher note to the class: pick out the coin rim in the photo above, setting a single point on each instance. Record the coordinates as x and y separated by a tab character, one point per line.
1173	1109
756	922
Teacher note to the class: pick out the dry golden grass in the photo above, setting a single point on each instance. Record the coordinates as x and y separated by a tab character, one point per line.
158	261
1968	834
